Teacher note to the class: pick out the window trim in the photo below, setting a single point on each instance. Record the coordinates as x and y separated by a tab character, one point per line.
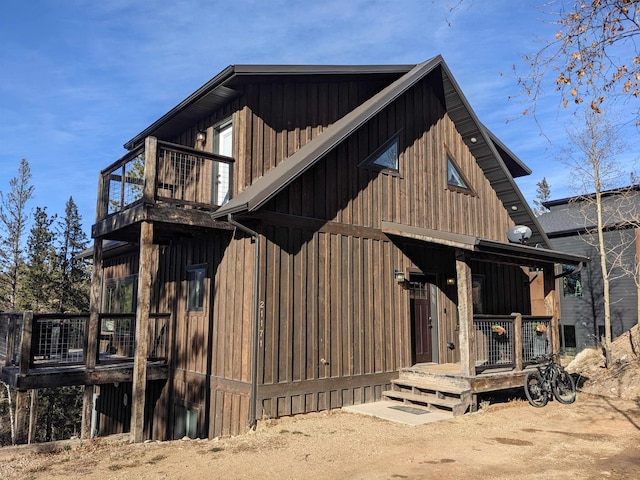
450	158
368	162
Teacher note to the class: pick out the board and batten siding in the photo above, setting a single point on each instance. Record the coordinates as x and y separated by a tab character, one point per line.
338	189
332	329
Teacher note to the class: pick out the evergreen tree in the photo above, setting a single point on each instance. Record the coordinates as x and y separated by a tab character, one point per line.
38	277
543	193
73	288
13	223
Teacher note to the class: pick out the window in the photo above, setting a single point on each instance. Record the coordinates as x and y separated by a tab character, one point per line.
223	146
185	422
569	339
571	282
195	288
385	157
119	297
454	177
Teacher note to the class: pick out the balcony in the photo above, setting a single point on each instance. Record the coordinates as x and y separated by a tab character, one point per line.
163	182
49	350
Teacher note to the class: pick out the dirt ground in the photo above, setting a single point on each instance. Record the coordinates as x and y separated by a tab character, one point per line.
594	438
597	437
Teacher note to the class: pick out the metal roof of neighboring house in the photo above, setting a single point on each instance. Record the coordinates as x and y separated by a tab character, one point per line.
620	207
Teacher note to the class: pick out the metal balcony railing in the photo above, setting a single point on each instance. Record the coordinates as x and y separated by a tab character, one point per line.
167	173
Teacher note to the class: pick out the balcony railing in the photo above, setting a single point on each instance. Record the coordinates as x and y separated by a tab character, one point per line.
62	339
509	341
162	172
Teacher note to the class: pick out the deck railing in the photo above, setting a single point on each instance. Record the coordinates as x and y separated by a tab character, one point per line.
62	339
162	172
10	334
510	341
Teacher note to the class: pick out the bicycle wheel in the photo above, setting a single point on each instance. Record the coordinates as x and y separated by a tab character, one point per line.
563	387
535	390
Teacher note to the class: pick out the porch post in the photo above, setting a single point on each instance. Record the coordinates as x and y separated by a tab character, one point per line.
552	305
465	314
92	337
142	332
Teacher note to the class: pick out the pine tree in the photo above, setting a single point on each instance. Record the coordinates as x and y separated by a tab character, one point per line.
13	223
73	288
38	277
543	193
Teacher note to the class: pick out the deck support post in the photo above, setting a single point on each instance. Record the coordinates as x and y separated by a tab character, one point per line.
552	305
465	314
92	337
21	417
142	332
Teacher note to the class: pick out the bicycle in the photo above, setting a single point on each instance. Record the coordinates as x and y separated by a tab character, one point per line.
549	380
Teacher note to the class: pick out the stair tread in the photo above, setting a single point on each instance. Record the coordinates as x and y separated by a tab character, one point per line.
430	399
431	385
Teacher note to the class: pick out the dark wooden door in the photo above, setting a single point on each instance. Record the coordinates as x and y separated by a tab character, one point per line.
421	323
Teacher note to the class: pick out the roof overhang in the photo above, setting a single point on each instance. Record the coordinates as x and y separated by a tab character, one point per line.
510	252
226	86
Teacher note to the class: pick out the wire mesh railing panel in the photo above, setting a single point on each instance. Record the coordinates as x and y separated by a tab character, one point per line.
535	338
159	326
58	340
494	342
184	177
125	183
117	336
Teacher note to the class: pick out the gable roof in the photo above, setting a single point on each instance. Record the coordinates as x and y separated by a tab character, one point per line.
572	215
222	89
498	163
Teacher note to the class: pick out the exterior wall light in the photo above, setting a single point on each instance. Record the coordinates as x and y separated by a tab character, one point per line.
201	137
398	276
451	281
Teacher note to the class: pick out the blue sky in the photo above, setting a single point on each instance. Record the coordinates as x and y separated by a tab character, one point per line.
81	77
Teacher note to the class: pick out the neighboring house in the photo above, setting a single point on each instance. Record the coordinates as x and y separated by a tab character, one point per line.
571	226
291	239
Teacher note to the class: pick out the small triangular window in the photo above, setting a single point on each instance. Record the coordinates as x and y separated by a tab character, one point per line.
386	157
454	178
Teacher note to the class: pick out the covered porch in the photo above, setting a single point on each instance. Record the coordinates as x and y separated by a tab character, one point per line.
492	348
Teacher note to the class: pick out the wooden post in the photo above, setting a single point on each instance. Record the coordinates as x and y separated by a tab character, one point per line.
92	336
142	332
33	416
25	343
21	417
552	305
150	160
517	344
465	315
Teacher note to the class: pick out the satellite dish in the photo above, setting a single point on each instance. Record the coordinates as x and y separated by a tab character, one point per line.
519	234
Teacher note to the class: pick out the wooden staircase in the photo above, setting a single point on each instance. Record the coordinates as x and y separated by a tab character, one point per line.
432	391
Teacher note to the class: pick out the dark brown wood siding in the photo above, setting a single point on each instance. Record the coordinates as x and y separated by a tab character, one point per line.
340	190
331	312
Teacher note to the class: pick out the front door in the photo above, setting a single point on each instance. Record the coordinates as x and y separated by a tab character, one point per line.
422	321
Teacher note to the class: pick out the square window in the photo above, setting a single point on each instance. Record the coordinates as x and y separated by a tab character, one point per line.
195	288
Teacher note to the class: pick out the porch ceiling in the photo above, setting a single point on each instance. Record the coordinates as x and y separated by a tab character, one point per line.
511	252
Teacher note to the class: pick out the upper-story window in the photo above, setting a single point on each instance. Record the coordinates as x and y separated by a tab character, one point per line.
385	157
223	145
455	179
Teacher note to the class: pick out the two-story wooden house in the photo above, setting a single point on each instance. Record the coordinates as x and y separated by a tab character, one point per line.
291	239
